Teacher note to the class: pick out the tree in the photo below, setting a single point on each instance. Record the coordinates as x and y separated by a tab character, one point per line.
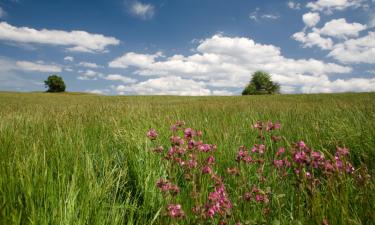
261	84
55	84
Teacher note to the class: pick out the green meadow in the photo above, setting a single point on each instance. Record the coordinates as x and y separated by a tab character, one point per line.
85	159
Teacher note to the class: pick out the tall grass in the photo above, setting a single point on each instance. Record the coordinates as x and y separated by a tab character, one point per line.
85	159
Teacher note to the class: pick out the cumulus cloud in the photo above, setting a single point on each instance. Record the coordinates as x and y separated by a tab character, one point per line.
140	10
89	65
328	6
76	41
339	28
311	19
360	50
118	77
166	86
223	63
69	58
89	75
38	66
313	39
134	59
294	5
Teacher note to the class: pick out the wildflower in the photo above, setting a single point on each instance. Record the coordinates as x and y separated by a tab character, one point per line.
192	163
247	196
258	125
325	222
175	211
159	149
342	151
233	171
301	145
189	133
206	147
151	134
308	175
280	151
210	160
278	163
206	170
176	140
218	202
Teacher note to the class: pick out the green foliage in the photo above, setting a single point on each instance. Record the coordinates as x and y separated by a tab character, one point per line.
261	84
55	84
90	163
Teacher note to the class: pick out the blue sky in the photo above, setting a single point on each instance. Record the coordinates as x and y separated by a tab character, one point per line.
187	47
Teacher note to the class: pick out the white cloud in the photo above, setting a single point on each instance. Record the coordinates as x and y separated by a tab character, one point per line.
69	58
294	5
225	62
141	10
313	39
89	75
89	65
166	86
339	28
255	15
134	59
360	50
80	41
340	85
328	6
118	77
39	66
311	19
96	91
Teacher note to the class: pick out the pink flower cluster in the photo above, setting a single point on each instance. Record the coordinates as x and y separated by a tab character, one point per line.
166	186
257	195
175	211
151	134
218	203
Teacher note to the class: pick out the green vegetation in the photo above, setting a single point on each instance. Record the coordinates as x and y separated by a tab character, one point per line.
55	84
261	84
85	159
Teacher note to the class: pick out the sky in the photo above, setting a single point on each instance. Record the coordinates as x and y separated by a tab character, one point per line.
187	47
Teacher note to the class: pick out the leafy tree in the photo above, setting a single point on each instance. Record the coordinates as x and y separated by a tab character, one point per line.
55	84
261	84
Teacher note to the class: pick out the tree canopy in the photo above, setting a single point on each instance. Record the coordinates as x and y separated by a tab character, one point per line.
55	84
261	84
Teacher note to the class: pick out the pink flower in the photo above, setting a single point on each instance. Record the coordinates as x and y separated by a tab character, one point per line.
301	145
325	222
175	211
210	160
278	163
259	198
342	151
206	170
277	126
258	125
151	134
280	151
159	149
176	140
247	196
189	133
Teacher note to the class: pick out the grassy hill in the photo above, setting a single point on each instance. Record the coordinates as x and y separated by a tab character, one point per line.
85	159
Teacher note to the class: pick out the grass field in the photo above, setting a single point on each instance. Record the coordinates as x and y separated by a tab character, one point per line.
85	159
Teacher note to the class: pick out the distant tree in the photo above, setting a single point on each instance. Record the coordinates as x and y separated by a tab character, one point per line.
55	84
261	84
